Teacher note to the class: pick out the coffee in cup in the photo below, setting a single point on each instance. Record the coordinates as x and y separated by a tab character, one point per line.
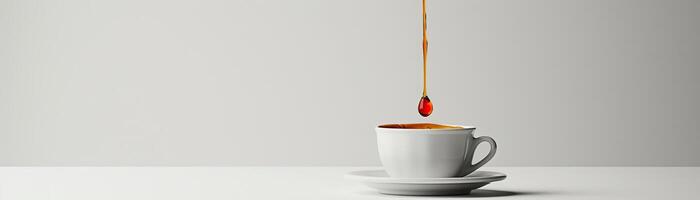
425	150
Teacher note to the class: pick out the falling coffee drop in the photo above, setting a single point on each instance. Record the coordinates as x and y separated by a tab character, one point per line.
425	107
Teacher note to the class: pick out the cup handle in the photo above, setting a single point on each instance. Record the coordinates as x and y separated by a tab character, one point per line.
488	157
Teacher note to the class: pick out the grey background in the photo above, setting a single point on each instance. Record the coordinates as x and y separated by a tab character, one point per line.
278	82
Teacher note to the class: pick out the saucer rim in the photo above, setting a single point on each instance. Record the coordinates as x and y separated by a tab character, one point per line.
495	176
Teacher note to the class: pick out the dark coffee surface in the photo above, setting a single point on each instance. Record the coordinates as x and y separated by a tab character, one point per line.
418	126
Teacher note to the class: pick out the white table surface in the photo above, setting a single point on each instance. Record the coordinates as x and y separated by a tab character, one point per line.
173	183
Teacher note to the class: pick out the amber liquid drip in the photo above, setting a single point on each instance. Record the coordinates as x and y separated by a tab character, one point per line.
425	107
425	51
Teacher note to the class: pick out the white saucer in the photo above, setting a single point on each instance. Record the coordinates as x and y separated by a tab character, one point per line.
378	179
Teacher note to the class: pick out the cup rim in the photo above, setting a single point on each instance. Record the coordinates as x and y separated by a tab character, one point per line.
457	127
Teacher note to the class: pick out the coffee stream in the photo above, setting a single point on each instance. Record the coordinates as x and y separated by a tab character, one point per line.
425	107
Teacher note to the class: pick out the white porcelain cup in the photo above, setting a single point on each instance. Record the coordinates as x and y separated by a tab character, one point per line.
430	153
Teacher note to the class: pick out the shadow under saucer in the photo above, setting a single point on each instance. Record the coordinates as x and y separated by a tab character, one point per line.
478	193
